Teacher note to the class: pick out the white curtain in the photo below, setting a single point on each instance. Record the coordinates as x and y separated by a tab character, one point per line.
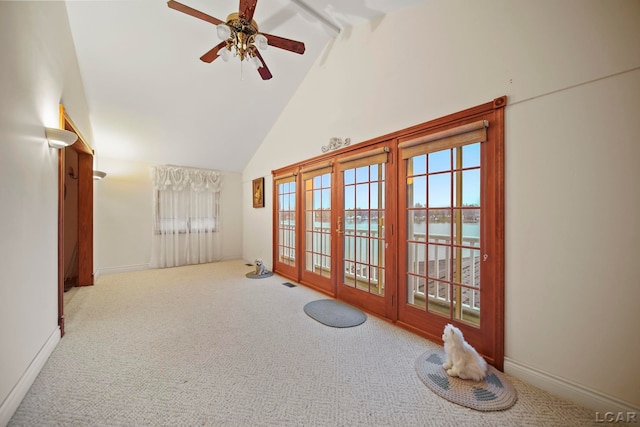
186	220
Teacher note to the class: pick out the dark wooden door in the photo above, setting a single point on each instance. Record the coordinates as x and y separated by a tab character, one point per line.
84	224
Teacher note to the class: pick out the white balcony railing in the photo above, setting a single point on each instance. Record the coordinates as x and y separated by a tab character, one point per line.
439	262
365	254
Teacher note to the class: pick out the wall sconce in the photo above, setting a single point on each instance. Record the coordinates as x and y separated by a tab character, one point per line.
60	138
98	175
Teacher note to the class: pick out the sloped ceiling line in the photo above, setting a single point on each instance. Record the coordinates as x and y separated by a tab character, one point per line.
317	15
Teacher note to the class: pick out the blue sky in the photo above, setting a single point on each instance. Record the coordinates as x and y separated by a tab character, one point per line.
440	182
361	193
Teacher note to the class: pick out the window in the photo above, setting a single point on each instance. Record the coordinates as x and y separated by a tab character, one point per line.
443	229
182	212
317	218
363	211
286	214
187	216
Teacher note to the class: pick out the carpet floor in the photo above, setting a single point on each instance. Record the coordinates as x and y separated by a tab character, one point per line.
206	346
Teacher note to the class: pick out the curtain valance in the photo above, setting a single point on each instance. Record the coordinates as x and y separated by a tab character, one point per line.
167	177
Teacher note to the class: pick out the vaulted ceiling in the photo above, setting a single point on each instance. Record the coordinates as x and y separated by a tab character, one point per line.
152	99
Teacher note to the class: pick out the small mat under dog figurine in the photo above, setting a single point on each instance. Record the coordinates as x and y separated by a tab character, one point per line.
260	272
493	393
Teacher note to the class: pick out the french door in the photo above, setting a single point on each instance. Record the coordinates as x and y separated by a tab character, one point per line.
317	217
450	232
409	226
362	250
285	235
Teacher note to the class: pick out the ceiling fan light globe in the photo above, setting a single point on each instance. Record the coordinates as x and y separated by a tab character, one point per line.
261	41
224	32
255	62
225	54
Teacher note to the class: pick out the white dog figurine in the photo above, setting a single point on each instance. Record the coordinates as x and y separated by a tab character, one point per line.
462	360
260	268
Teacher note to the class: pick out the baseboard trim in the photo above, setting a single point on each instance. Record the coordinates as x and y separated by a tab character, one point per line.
20	390
123	269
567	389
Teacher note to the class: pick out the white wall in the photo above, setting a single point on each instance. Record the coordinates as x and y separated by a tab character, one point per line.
232	232
572	234
124	213
571	71
39	71
256	225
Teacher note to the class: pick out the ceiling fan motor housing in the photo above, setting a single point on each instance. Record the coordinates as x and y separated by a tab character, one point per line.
242	34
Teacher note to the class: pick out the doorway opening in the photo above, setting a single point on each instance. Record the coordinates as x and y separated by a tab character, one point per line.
75	215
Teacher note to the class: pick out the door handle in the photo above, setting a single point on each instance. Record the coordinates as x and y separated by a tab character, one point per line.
339	229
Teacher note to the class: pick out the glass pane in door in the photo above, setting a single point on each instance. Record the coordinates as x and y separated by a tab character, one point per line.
317	200
286	222
363	232
443	233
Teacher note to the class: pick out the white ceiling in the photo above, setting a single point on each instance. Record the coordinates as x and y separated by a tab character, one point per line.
151	98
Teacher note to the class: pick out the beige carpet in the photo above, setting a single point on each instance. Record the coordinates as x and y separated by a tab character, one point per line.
206	346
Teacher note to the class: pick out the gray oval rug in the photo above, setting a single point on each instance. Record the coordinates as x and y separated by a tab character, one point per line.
253	275
494	393
334	313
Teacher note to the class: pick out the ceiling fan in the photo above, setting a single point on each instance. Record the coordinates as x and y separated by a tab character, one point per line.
240	36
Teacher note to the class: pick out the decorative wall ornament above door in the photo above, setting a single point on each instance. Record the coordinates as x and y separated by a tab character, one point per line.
335	143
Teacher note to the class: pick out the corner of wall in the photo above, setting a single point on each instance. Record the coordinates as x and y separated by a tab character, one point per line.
19	391
566	389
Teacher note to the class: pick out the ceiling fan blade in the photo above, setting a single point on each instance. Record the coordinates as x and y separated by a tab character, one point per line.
264	71
195	13
286	44
247	7
213	53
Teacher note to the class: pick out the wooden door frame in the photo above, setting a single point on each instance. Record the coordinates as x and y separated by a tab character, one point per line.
85	213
